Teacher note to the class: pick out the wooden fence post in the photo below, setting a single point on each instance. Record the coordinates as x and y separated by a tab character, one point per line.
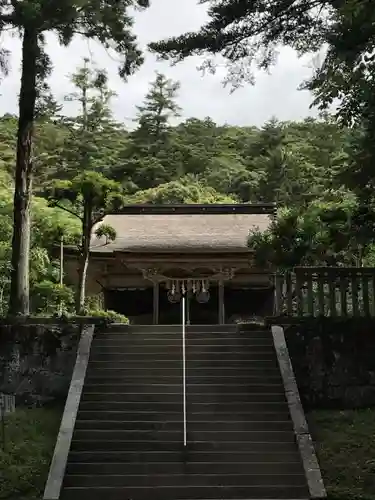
299	295
279	282
289	293
324	291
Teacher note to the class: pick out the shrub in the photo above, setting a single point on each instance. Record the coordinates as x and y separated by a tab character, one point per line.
48	297
108	316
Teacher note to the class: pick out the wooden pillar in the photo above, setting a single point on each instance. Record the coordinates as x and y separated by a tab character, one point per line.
156	304
221	303
188	308
278	295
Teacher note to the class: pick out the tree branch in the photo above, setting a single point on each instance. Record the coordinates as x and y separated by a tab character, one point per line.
100	217
67	210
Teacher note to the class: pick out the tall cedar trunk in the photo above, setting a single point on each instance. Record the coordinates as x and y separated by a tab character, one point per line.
19	289
84	261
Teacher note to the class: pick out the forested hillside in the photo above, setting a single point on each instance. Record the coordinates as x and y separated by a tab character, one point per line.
290	163
298	165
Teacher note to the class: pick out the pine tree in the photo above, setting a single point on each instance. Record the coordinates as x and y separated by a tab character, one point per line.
154	116
93	127
146	161
109	22
247	33
89	196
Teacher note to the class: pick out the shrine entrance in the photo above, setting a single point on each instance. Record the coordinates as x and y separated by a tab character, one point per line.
203	313
202	302
216	295
203	291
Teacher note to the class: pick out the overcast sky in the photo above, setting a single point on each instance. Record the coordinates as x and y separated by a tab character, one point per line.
200	96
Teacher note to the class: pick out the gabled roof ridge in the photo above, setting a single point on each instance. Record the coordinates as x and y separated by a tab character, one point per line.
195	209
202	230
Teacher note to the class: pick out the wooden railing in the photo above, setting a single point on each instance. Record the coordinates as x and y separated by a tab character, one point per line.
325	291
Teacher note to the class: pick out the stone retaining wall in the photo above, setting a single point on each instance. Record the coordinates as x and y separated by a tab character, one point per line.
36	361
334	361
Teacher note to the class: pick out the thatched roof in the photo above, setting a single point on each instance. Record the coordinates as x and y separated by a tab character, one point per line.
193	228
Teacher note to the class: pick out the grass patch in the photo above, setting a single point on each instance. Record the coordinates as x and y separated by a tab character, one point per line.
345	444
30	440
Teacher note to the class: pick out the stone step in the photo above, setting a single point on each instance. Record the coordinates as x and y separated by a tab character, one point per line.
207	446
123	377
195	436
184	468
213	398
193	357
137	373
186	493
176	350
190	338
204	425
205	328
166	407
182	456
187	480
198	343
230	415
169	328
138	342
204	364
128	439
158	388
195	336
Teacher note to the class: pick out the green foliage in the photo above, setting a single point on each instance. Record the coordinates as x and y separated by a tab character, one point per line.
154	115
332	231
145	161
106	21
247	34
87	191
31	437
186	190
108	316
88	165
346	454
88	196
47	225
8	131
106	231
341	33
50	297
91	138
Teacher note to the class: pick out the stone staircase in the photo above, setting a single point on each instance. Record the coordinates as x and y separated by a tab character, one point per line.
128	438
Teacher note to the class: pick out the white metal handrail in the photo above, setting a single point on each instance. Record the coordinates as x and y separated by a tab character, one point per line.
184	366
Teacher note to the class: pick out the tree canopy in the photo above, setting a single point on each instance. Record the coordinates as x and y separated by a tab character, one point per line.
88	196
89	164
107	21
247	34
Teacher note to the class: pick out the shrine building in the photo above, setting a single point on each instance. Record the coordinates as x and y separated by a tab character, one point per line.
164	251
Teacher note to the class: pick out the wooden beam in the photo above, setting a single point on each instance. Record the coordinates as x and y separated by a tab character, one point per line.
221	303
156	304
